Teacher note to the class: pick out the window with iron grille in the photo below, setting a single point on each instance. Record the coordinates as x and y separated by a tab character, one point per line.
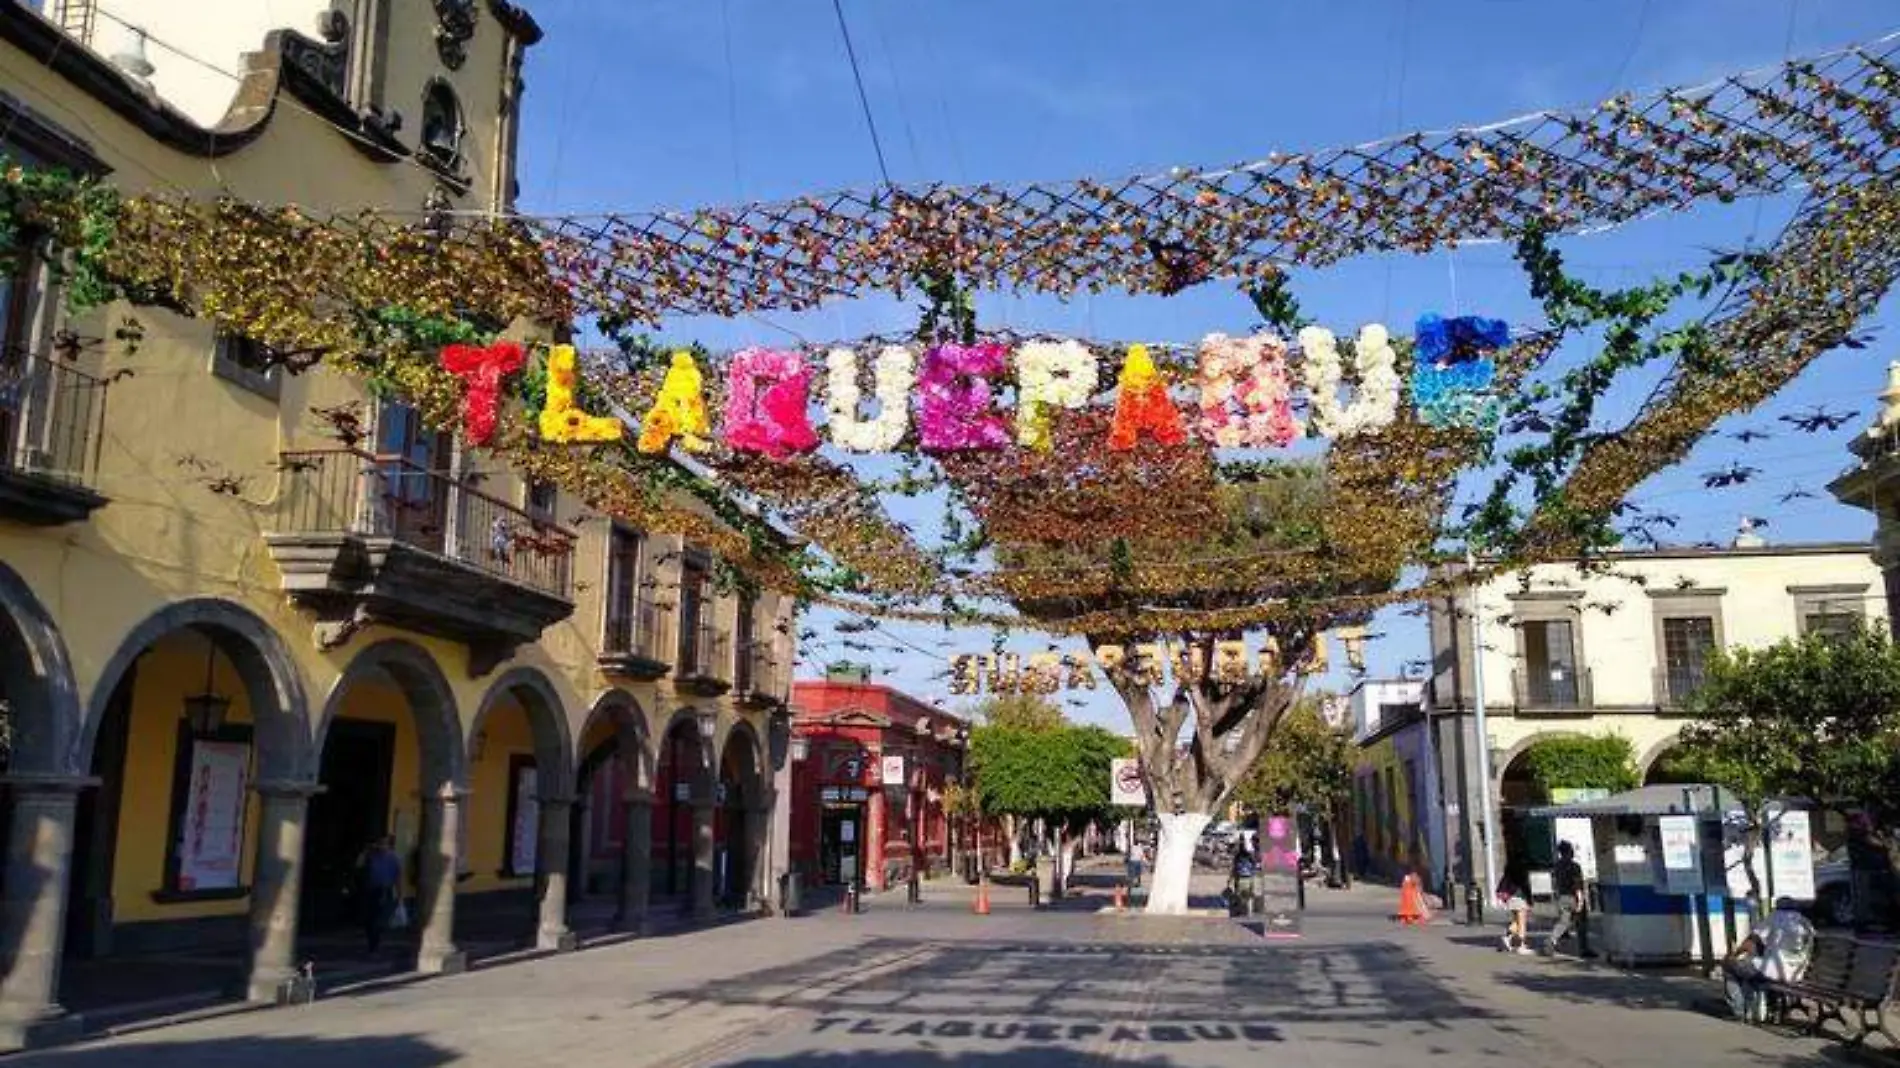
694	583
1550	663
623	589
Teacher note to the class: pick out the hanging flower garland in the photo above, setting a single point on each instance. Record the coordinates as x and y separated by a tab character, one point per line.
1246	400
765	403
562	419
1323	371
955	410
895	373
1142	405
1050	375
679	411
1453	371
482	369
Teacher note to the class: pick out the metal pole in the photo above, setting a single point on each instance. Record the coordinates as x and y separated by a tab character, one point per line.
1487	802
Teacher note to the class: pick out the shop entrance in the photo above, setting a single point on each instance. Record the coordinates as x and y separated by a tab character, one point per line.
841	844
351	812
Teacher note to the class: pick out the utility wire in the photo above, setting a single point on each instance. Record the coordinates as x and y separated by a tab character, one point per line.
864	101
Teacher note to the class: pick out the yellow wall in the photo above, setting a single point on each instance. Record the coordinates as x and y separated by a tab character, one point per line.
508	736
174	668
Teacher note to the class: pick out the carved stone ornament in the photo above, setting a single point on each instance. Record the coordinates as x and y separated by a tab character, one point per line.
329	62
454	26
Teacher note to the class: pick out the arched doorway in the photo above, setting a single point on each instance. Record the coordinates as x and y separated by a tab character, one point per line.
1665	766
738	831
683	810
198	736
43	717
613	814
521	785
392	765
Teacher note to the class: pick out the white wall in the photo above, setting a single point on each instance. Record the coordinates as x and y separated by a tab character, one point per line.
218	32
1371	697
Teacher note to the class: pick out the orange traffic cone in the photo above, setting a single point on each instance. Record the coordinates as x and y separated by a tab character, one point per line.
983	897
1412	912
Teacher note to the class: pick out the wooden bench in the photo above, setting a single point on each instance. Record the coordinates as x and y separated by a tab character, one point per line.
1849	980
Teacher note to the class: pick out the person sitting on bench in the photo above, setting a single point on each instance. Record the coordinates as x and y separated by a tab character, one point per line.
1778	953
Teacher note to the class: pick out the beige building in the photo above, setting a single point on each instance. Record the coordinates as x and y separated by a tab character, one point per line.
236	647
1616	652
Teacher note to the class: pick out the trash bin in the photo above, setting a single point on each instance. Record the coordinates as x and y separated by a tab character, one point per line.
788	894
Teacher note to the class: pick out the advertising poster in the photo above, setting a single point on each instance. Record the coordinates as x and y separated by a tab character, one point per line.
1680	855
1791	855
210	853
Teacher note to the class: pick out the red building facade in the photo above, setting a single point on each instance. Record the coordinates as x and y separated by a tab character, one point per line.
869	767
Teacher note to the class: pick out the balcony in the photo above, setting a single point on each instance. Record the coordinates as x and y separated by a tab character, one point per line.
1674	686
52	419
705	664
1563	690
634	643
362	539
759	681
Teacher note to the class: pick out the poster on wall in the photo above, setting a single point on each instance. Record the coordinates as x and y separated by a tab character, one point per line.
1680	855
1124	782
1791	855
211	848
892	770
523	835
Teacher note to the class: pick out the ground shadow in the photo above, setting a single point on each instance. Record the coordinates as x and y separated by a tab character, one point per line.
1584	984
389	1051
951	987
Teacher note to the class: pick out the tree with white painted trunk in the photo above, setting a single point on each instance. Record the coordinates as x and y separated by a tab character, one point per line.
1199	725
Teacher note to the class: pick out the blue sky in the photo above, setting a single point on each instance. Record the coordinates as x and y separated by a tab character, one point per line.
635	105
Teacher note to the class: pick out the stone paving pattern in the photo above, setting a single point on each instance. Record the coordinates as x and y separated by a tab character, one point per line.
936	985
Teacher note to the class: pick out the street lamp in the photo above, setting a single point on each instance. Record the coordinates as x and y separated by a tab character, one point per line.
205	711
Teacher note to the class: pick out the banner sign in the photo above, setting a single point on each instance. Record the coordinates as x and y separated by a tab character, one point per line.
211	849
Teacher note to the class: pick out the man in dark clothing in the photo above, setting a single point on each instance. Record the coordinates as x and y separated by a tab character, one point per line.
1566	880
382	881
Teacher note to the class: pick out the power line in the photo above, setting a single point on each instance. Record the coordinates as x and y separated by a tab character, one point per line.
864	100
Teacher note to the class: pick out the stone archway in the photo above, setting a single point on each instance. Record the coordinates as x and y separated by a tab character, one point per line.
1655	766
683	810
741	817
613	824
543	783
158	766
44	778
392	763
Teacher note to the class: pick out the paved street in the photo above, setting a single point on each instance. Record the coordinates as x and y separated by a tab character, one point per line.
936	985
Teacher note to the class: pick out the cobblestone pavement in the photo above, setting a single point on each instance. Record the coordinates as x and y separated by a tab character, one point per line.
936	985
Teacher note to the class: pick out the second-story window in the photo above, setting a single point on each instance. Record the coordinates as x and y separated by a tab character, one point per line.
1550	663
751	653
247	364
695	617
1687	643
413	462
623	590
542	499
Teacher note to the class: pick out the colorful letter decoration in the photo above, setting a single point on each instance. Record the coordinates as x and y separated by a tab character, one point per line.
679	411
1453	371
765	403
896	372
1142	404
1245	398
1377	404
482	369
1050	375
561	419
954	398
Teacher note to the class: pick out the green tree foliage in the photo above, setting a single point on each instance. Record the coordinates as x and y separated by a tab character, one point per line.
1305	763
1020	711
1059	775
1603	762
1816	717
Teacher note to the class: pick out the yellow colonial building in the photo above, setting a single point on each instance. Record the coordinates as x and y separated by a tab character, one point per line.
251	621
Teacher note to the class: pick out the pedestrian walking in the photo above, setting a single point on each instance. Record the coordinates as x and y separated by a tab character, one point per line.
1567	884
1133	862
1514	894
380	872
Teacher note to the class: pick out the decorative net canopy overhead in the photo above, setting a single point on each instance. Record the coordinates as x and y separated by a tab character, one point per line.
1101	488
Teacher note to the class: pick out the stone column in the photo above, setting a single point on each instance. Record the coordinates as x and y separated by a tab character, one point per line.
276	888
551	856
760	891
636	862
33	910
703	906
440	849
